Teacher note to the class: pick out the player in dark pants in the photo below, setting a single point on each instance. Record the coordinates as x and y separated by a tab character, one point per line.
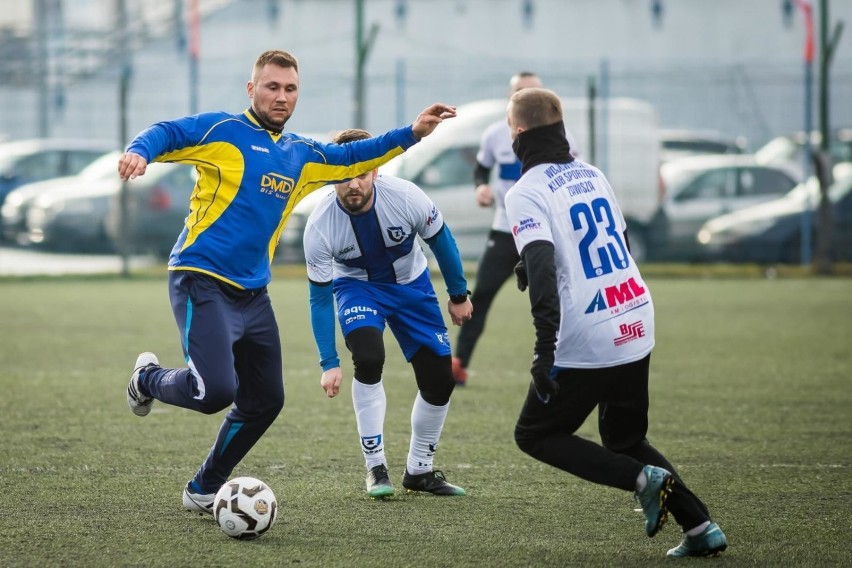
594	328
495	268
233	338
547	432
250	176
500	256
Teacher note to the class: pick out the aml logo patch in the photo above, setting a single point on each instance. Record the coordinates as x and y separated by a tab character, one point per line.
277	185
629	332
624	296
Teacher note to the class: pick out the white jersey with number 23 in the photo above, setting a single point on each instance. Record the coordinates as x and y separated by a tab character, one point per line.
607	316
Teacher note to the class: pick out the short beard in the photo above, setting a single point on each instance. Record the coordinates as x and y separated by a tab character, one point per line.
267	124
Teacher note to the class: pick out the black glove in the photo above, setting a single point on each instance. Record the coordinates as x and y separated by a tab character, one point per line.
545	386
521	275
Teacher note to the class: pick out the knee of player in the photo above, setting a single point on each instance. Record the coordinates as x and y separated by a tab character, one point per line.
275	402
525	440
368	365
217	400
438	392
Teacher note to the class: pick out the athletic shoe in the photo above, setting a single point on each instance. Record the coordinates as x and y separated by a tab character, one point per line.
710	542
138	402
459	372
432	482
654	496
198	502
378	483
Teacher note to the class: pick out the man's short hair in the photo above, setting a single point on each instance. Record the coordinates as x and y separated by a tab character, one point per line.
350	135
523	80
536	107
274	57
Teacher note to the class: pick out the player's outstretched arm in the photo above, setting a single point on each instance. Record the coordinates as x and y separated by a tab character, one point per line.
430	118
331	380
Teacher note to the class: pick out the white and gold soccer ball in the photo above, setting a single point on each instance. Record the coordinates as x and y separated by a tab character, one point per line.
245	508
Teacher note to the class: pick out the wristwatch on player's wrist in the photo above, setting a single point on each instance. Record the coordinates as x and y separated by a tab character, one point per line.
459	298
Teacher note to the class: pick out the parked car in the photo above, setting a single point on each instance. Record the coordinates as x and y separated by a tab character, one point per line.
443	163
676	144
14	210
788	150
703	187
27	161
771	232
73	218
157	206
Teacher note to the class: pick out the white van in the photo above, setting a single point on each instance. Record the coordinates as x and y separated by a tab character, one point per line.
442	164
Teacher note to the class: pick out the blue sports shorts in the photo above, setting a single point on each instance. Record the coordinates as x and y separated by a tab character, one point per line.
411	311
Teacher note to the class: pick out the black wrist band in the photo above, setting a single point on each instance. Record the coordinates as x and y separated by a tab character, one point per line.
459	298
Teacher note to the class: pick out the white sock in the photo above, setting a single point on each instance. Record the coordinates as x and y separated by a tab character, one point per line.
370	405
699	529
427	421
641	481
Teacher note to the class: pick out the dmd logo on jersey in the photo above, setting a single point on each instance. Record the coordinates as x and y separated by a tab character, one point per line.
396	234
276	184
433	216
356	313
629	332
623	297
525	225
371	444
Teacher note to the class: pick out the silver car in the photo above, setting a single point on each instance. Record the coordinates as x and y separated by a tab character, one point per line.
14	210
74	218
702	187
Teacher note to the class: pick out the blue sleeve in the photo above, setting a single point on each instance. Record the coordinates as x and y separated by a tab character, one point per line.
334	163
171	135
322	322
446	252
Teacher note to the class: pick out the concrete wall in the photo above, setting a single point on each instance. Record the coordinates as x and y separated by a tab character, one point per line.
730	65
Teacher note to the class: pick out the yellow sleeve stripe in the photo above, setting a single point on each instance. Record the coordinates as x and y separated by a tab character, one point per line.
220	168
316	175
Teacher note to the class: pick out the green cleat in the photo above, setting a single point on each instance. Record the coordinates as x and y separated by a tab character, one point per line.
379	484
710	542
432	482
654	496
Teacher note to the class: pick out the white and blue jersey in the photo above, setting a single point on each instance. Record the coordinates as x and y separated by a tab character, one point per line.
379	245
607	315
377	272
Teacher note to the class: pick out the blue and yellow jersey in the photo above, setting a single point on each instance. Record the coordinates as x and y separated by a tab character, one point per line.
249	180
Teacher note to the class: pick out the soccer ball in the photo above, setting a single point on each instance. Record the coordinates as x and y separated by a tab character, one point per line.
245	508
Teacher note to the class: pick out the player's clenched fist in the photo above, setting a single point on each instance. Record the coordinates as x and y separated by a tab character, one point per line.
330	381
131	165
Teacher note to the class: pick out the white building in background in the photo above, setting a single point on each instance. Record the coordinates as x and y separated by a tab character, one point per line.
733	66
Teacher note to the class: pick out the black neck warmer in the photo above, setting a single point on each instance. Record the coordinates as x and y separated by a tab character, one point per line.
264	124
542	145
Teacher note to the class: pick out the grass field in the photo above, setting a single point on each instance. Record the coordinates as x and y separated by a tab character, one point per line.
751	400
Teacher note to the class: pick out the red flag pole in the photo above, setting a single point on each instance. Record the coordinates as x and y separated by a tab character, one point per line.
807	11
